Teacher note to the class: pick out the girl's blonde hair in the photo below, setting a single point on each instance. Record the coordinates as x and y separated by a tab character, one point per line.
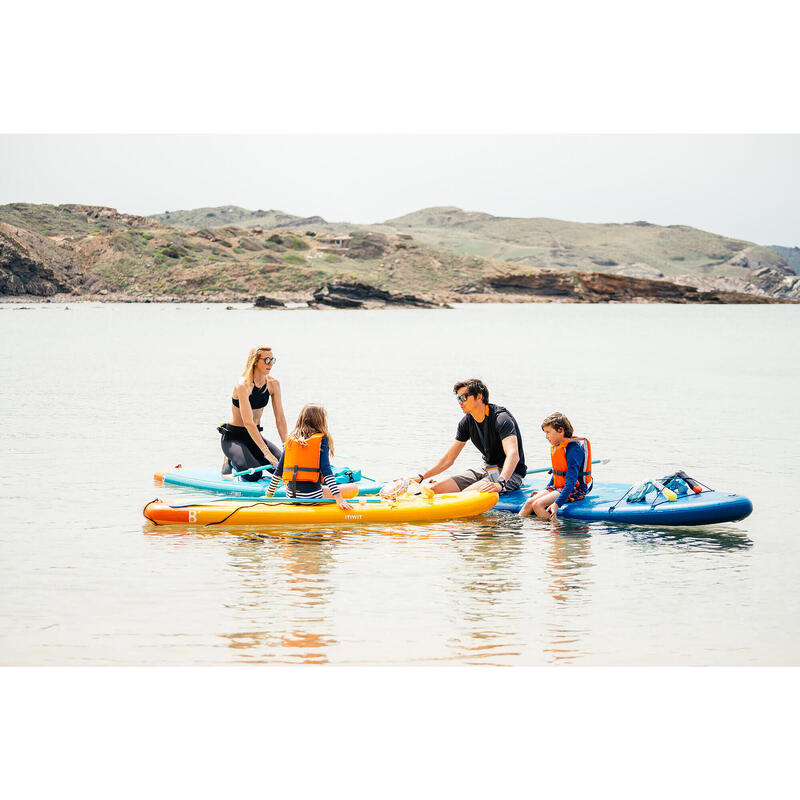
312	419
252	360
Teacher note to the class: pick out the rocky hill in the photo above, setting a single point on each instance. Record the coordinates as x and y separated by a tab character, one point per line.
791	254
66	221
224	216
36	265
639	249
81	248
95	251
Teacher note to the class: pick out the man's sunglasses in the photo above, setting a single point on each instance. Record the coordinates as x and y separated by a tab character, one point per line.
462	398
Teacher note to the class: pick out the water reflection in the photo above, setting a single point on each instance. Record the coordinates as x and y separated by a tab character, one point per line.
487	590
516	591
704	541
707	539
284	590
568	567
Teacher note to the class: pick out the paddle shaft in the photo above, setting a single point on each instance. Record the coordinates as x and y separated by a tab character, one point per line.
263	468
547	469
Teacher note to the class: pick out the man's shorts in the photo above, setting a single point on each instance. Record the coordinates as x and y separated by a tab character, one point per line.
465	479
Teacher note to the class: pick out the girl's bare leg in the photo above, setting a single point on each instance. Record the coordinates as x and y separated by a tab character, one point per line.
347	490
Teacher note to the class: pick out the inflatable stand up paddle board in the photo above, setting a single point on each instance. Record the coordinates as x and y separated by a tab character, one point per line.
609	502
255	513
211	480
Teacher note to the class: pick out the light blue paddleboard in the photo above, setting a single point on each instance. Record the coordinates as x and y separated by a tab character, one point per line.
210	479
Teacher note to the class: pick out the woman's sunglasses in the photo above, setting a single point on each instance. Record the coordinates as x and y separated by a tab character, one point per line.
268	360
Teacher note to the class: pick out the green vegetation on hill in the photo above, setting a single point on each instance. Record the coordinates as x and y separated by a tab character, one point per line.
635	249
222	216
433	250
67	220
138	256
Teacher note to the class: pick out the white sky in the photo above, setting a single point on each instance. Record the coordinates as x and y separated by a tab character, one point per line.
745	186
435	102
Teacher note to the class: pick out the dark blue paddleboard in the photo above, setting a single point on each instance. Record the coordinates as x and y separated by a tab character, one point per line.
605	503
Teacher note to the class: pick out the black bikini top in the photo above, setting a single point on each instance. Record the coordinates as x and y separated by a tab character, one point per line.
258	397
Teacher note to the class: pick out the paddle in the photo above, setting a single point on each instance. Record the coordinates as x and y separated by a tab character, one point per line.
268	468
263	468
547	469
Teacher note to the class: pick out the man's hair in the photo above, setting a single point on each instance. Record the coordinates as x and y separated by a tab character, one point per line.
559	422
474	387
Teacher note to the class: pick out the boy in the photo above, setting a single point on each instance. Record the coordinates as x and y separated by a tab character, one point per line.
571	458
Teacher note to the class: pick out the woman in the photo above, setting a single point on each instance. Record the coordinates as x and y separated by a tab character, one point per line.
242	441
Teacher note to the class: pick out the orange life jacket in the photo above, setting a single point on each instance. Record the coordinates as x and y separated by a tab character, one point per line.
301	461
558	458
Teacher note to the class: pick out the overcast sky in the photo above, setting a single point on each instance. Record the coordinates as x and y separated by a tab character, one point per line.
744	186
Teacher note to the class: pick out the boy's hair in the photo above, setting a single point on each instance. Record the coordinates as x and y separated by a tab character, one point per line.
474	387
559	422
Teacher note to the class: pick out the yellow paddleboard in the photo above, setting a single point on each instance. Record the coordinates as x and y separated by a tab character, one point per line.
284	512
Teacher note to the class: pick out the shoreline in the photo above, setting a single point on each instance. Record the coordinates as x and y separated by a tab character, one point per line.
441	300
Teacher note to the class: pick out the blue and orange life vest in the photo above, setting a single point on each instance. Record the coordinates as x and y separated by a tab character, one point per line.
301	461
558	458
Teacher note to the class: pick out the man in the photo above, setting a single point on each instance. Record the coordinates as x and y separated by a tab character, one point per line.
494	432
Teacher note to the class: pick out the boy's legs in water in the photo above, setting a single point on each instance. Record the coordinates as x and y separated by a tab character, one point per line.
538	503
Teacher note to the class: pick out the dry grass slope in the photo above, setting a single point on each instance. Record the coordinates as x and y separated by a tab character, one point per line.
444	252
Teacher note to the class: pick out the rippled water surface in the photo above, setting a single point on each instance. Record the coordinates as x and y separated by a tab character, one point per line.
95	398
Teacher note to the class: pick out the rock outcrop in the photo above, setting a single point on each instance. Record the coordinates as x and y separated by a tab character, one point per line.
35	265
370	245
113	218
765	282
352	294
262	301
790	254
599	287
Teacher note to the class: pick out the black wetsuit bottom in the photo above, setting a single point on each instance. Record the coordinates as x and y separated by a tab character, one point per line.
243	452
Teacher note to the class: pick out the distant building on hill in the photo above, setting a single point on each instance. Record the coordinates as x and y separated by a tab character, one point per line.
334	241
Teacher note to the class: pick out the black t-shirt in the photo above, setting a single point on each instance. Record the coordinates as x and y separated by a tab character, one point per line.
488	436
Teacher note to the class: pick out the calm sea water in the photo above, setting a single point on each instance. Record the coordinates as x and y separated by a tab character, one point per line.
95	398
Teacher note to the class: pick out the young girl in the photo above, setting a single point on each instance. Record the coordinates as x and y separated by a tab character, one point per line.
305	462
